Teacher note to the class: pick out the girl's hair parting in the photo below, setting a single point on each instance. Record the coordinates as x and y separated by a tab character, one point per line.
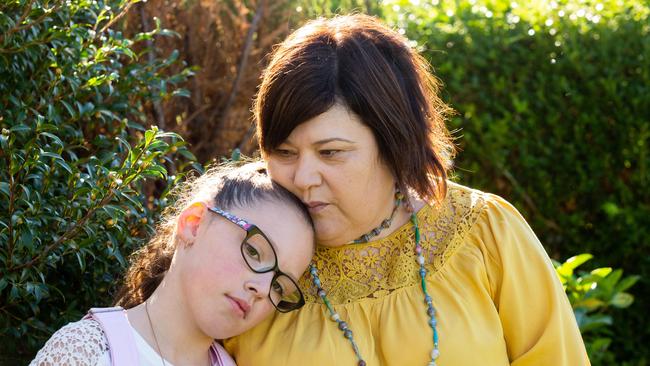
225	186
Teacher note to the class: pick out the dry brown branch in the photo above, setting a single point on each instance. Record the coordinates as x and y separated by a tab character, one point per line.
214	38
119	16
240	71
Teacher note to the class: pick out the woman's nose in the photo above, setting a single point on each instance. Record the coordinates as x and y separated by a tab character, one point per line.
306	174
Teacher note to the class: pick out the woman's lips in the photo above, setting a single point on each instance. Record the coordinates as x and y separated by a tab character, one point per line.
239	306
316	206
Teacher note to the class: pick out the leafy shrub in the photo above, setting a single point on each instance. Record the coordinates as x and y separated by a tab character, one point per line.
73	161
592	295
553	102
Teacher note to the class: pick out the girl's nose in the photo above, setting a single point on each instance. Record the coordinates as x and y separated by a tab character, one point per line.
259	284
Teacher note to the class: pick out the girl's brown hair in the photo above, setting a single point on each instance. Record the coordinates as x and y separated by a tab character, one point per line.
224	186
371	69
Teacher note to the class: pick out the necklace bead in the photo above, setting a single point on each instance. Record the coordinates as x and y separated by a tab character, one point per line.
385	224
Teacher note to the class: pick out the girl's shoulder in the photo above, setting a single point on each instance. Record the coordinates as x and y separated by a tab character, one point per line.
222	356
79	343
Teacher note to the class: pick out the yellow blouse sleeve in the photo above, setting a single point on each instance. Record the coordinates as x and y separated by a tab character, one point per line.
538	323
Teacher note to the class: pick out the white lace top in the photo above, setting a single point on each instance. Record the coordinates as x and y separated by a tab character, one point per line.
83	343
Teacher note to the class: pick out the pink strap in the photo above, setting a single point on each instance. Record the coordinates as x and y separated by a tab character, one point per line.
118	331
219	356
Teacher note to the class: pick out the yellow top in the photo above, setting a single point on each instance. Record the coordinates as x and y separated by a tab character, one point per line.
496	295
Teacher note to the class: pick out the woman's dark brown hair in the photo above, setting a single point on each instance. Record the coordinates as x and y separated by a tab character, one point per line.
357	61
224	186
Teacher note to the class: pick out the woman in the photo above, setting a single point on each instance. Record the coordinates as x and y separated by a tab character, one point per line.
409	269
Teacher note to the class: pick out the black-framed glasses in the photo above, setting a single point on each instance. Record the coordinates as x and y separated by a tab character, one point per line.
260	256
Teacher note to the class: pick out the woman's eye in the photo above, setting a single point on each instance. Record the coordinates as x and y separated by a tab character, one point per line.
277	288
251	252
329	153
284	153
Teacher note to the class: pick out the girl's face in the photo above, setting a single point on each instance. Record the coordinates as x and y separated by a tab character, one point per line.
332	163
224	296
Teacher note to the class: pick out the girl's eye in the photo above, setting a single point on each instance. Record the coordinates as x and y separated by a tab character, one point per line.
277	288
251	251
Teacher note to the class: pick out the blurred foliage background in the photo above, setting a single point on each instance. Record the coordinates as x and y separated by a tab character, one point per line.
553	113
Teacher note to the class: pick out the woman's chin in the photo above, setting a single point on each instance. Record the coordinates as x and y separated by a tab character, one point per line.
332	229
327	237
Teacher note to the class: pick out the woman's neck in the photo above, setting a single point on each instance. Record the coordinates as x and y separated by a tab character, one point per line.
402	216
172	331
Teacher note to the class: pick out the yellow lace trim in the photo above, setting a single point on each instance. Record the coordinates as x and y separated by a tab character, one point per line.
375	269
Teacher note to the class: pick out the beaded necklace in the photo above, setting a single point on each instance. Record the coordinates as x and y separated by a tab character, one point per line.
384	224
343	326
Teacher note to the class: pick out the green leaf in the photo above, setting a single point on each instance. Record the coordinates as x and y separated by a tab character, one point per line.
173	135
3	284
622	300
50	155
626	283
577	260
81	260
20	128
119	257
155	171
95	81
611	280
591	323
600	344
53	137
181	93
601	272
589	304
13	293
26	239
4	188
149	135
70	110
64	165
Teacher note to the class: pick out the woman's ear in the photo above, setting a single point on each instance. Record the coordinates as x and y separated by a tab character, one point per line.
189	221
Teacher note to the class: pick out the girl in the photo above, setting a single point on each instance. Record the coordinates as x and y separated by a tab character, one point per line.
221	261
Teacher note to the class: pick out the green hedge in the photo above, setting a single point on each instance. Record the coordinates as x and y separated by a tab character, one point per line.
74	152
553	106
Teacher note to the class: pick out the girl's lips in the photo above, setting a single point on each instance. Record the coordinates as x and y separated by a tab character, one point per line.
239	306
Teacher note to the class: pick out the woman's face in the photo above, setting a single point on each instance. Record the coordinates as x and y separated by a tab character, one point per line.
332	163
224	296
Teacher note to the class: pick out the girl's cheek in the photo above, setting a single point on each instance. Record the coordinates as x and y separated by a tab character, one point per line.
224	262
265	309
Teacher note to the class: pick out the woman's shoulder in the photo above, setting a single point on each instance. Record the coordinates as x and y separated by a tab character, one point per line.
463	205
464	210
471	202
470	216
458	211
79	343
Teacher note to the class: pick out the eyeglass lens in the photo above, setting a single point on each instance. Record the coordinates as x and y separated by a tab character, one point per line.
260	257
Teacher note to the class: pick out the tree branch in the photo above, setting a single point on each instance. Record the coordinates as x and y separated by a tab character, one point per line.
118	16
240	71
